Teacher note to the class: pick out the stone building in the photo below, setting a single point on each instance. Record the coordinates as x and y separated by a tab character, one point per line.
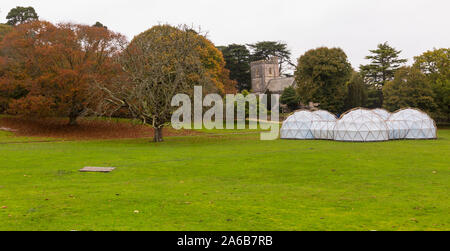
266	77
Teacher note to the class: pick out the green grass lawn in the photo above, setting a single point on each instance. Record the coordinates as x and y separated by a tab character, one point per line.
8	137
227	182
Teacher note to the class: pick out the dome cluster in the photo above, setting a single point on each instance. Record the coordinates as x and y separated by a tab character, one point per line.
360	125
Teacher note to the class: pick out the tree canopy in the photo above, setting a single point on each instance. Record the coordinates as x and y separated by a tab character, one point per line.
409	88
20	15
321	76
58	66
289	97
214	63
99	25
384	62
435	65
356	92
160	63
4	29
237	58
264	50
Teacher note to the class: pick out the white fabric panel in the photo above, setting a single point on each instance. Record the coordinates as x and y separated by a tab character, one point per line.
361	125
323	129
382	113
299	125
326	115
411	124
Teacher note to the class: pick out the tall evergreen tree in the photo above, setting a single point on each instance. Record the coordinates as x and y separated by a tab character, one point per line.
20	15
267	49
237	58
384	62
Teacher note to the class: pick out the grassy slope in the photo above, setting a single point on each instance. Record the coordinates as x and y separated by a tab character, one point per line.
8	137
231	182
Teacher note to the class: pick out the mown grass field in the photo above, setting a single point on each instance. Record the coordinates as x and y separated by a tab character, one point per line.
225	182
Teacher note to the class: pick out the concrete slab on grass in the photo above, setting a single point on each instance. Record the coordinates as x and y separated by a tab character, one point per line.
97	169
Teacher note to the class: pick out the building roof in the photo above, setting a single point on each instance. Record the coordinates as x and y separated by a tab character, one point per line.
279	84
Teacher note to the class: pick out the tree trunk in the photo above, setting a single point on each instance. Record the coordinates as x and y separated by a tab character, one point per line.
73	120
158	135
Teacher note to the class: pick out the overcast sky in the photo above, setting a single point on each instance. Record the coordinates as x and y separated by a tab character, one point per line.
356	26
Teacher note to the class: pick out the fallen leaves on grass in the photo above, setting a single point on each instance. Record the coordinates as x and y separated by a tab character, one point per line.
86	129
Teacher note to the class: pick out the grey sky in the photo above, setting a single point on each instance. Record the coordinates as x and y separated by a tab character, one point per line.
356	26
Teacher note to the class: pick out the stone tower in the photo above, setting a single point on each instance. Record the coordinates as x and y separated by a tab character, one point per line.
262	72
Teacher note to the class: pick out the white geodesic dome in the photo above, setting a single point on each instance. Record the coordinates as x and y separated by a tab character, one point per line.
299	125
326	115
361	125
411	124
382	113
398	129
324	129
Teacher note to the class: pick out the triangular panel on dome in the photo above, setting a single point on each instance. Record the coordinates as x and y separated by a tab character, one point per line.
411	123
382	113
323	129
361	125
300	124
326	115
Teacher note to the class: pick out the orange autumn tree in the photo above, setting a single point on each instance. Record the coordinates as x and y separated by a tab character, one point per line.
160	63
59	66
212	59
